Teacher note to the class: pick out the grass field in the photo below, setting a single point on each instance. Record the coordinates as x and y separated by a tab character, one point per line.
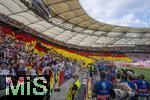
145	71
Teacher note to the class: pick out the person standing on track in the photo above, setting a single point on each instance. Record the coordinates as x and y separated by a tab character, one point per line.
74	87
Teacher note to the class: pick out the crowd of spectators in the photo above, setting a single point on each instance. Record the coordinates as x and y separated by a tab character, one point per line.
139	56
15	59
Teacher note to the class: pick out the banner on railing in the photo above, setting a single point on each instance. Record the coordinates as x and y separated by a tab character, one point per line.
61	77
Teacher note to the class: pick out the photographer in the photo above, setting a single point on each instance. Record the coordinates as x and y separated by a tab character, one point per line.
102	88
142	88
131	85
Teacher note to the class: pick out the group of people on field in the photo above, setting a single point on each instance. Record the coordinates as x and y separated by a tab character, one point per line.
137	88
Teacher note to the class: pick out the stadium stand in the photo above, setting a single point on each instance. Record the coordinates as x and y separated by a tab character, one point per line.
139	56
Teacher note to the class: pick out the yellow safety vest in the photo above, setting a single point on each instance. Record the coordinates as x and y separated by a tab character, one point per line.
69	95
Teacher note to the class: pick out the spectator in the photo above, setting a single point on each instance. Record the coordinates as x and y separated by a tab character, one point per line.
131	86
4	69
109	75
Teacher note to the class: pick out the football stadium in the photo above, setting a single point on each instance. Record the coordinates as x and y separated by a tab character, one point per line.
75	49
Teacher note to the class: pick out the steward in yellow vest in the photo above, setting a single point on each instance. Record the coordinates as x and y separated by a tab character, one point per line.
74	87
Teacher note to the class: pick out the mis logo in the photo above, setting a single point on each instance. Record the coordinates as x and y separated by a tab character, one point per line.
26	86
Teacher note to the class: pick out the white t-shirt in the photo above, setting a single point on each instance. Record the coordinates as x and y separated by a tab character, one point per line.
129	72
32	72
4	72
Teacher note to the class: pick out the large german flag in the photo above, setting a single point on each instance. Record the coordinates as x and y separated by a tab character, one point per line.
30	45
40	49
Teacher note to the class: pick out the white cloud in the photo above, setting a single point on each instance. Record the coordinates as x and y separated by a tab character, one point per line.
129	19
134	13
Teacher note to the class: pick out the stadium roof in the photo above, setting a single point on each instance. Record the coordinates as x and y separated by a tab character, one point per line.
71	11
70	24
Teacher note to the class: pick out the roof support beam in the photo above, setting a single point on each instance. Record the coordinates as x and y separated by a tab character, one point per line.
67	11
17	3
55	3
18	12
48	29
6	7
76	16
23	17
34	22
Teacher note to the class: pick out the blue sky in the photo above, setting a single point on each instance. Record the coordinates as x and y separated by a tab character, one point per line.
132	13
